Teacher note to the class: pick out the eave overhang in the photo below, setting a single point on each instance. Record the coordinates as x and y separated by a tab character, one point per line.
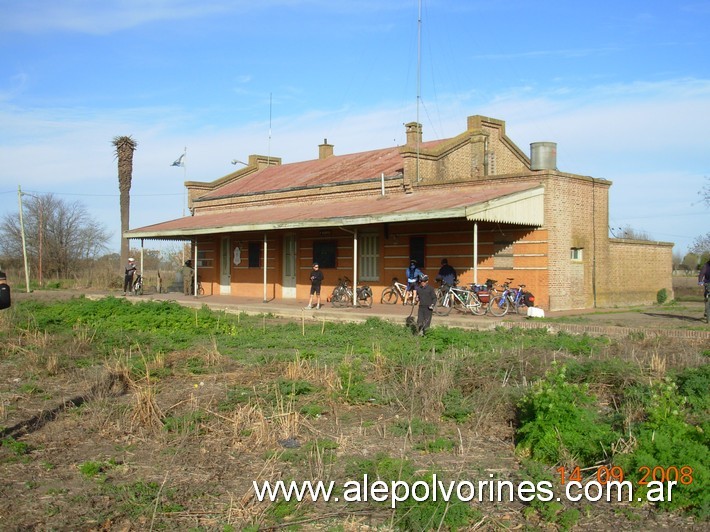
517	204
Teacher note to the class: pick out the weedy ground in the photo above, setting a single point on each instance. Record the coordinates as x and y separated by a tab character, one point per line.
121	416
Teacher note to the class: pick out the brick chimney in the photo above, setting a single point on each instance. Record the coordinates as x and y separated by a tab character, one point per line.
414	133
325	150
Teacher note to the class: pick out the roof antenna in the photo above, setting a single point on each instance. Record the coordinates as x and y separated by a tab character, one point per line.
268	153
419	76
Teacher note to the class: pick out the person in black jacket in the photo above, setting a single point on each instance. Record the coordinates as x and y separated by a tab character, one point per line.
704	280
427	300
128	275
5	299
447	273
316	278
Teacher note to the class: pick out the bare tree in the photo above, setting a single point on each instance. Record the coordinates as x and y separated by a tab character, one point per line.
69	235
629	232
125	146
701	245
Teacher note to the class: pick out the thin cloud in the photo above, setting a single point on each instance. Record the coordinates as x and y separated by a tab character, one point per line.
569	53
108	16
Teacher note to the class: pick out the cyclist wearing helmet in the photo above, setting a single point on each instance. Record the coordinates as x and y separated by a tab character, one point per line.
413	274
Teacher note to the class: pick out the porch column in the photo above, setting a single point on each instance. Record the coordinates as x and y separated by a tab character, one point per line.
195	261
355	267
142	244
266	245
475	252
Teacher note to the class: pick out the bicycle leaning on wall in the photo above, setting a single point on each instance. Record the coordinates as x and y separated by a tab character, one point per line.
342	295
510	299
462	299
394	293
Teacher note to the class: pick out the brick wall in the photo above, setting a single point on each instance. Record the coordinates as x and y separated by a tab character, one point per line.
637	270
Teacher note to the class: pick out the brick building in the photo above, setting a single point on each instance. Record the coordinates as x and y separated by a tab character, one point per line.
475	199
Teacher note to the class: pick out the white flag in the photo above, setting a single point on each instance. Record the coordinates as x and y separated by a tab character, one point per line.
178	161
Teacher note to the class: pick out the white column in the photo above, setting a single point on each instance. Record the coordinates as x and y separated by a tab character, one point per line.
475	252
266	246
355	267
195	261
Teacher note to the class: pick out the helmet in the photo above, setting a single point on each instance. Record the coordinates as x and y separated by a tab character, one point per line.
131	259
424	277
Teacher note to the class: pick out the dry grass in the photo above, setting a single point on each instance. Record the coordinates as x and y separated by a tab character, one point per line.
146	413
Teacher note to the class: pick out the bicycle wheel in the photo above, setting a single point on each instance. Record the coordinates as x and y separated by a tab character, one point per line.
707	304
459	300
499	306
389	296
476	307
443	305
366	300
339	297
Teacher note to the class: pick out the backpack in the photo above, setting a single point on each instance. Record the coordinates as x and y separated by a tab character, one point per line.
528	299
5	299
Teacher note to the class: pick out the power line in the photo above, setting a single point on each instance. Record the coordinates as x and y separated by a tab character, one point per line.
96	195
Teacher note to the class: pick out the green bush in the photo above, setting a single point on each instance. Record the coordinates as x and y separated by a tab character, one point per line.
667	441
661	296
558	422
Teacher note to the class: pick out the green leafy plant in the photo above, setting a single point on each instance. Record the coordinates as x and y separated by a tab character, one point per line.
661	296
457	407
558	422
19	448
96	469
667	441
437	445
355	388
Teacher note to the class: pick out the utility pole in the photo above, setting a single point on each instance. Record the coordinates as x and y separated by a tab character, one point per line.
24	245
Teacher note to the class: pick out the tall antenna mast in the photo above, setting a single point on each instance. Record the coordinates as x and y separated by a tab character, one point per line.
268	155
419	77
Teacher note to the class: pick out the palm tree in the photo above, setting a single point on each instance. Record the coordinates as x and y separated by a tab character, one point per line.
125	146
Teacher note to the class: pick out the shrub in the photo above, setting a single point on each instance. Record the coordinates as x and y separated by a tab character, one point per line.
558	422
661	296
666	441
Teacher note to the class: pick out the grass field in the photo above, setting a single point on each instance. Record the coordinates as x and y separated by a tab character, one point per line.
121	416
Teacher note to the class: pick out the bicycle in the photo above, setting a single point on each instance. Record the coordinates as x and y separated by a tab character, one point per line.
509	299
462	299
200	288
394	293
707	302
138	285
342	295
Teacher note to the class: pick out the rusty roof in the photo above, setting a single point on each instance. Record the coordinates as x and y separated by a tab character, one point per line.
421	204
331	170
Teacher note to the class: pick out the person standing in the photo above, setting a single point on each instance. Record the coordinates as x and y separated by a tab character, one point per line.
5	296
704	280
447	273
128	275
188	276
427	300
413	274
316	278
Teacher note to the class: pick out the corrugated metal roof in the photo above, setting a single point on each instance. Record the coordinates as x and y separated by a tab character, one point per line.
507	203
331	170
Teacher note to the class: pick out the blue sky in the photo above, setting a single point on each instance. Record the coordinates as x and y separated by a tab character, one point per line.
623	88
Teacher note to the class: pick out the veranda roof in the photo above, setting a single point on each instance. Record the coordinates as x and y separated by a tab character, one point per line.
511	203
